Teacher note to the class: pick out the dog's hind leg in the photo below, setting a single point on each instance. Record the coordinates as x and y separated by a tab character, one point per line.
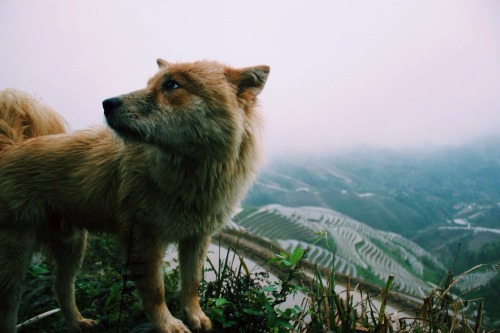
68	256
16	250
192	252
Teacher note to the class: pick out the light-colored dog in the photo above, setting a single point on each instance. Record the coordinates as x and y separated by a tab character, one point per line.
178	159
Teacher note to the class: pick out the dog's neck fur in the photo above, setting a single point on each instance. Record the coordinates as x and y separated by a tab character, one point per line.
205	180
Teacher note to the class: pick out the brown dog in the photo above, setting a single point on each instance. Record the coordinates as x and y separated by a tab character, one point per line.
180	156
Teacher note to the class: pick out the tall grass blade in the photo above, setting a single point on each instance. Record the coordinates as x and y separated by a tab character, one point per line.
477	328
384	299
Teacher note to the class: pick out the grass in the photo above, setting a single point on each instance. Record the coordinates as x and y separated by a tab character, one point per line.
238	299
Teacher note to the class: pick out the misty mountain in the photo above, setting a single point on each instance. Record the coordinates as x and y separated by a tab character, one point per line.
381	207
399	191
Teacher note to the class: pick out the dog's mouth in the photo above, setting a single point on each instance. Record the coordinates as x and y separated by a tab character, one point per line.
126	132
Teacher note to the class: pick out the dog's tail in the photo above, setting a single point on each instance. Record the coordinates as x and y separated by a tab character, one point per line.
22	117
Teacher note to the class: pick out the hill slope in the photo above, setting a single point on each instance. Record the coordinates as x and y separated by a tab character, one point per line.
360	250
440	199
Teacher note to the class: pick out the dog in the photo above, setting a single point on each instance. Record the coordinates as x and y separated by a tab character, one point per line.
170	168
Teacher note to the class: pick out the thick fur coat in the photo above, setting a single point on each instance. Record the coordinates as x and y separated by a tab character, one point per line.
175	161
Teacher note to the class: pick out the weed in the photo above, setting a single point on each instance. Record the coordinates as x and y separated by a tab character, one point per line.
238	299
243	301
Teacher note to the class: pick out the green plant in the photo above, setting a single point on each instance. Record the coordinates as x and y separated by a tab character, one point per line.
243	301
332	311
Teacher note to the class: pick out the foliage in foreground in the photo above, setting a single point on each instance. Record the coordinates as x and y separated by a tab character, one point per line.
240	300
322	308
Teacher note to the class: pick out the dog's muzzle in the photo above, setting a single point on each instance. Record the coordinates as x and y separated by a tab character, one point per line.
110	105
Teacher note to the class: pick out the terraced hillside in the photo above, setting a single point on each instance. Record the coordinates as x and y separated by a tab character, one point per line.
360	250
444	199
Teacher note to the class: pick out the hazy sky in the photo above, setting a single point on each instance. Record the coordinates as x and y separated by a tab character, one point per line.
342	72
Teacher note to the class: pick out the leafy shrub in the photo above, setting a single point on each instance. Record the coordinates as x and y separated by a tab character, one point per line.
243	301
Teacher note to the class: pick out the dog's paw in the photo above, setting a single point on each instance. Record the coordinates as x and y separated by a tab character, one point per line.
176	326
198	321
83	325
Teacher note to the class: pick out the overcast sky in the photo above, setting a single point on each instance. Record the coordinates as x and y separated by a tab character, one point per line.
343	73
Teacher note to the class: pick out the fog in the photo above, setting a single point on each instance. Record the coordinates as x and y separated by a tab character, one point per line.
343	73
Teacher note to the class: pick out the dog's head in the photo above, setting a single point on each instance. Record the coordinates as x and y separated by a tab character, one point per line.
190	108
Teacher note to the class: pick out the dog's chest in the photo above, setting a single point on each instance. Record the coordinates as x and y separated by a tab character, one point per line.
195	208
183	197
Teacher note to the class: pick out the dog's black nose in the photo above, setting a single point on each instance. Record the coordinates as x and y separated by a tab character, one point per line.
110	104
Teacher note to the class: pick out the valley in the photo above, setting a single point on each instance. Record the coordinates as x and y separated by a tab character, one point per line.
370	213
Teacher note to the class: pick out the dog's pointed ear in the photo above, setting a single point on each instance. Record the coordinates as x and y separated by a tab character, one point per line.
161	63
249	80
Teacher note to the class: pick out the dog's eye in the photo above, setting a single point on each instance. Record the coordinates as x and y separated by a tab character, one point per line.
170	85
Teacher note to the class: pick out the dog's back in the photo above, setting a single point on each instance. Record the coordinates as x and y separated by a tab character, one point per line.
22	117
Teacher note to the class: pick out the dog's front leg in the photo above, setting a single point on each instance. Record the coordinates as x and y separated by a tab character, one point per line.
192	252
145	262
